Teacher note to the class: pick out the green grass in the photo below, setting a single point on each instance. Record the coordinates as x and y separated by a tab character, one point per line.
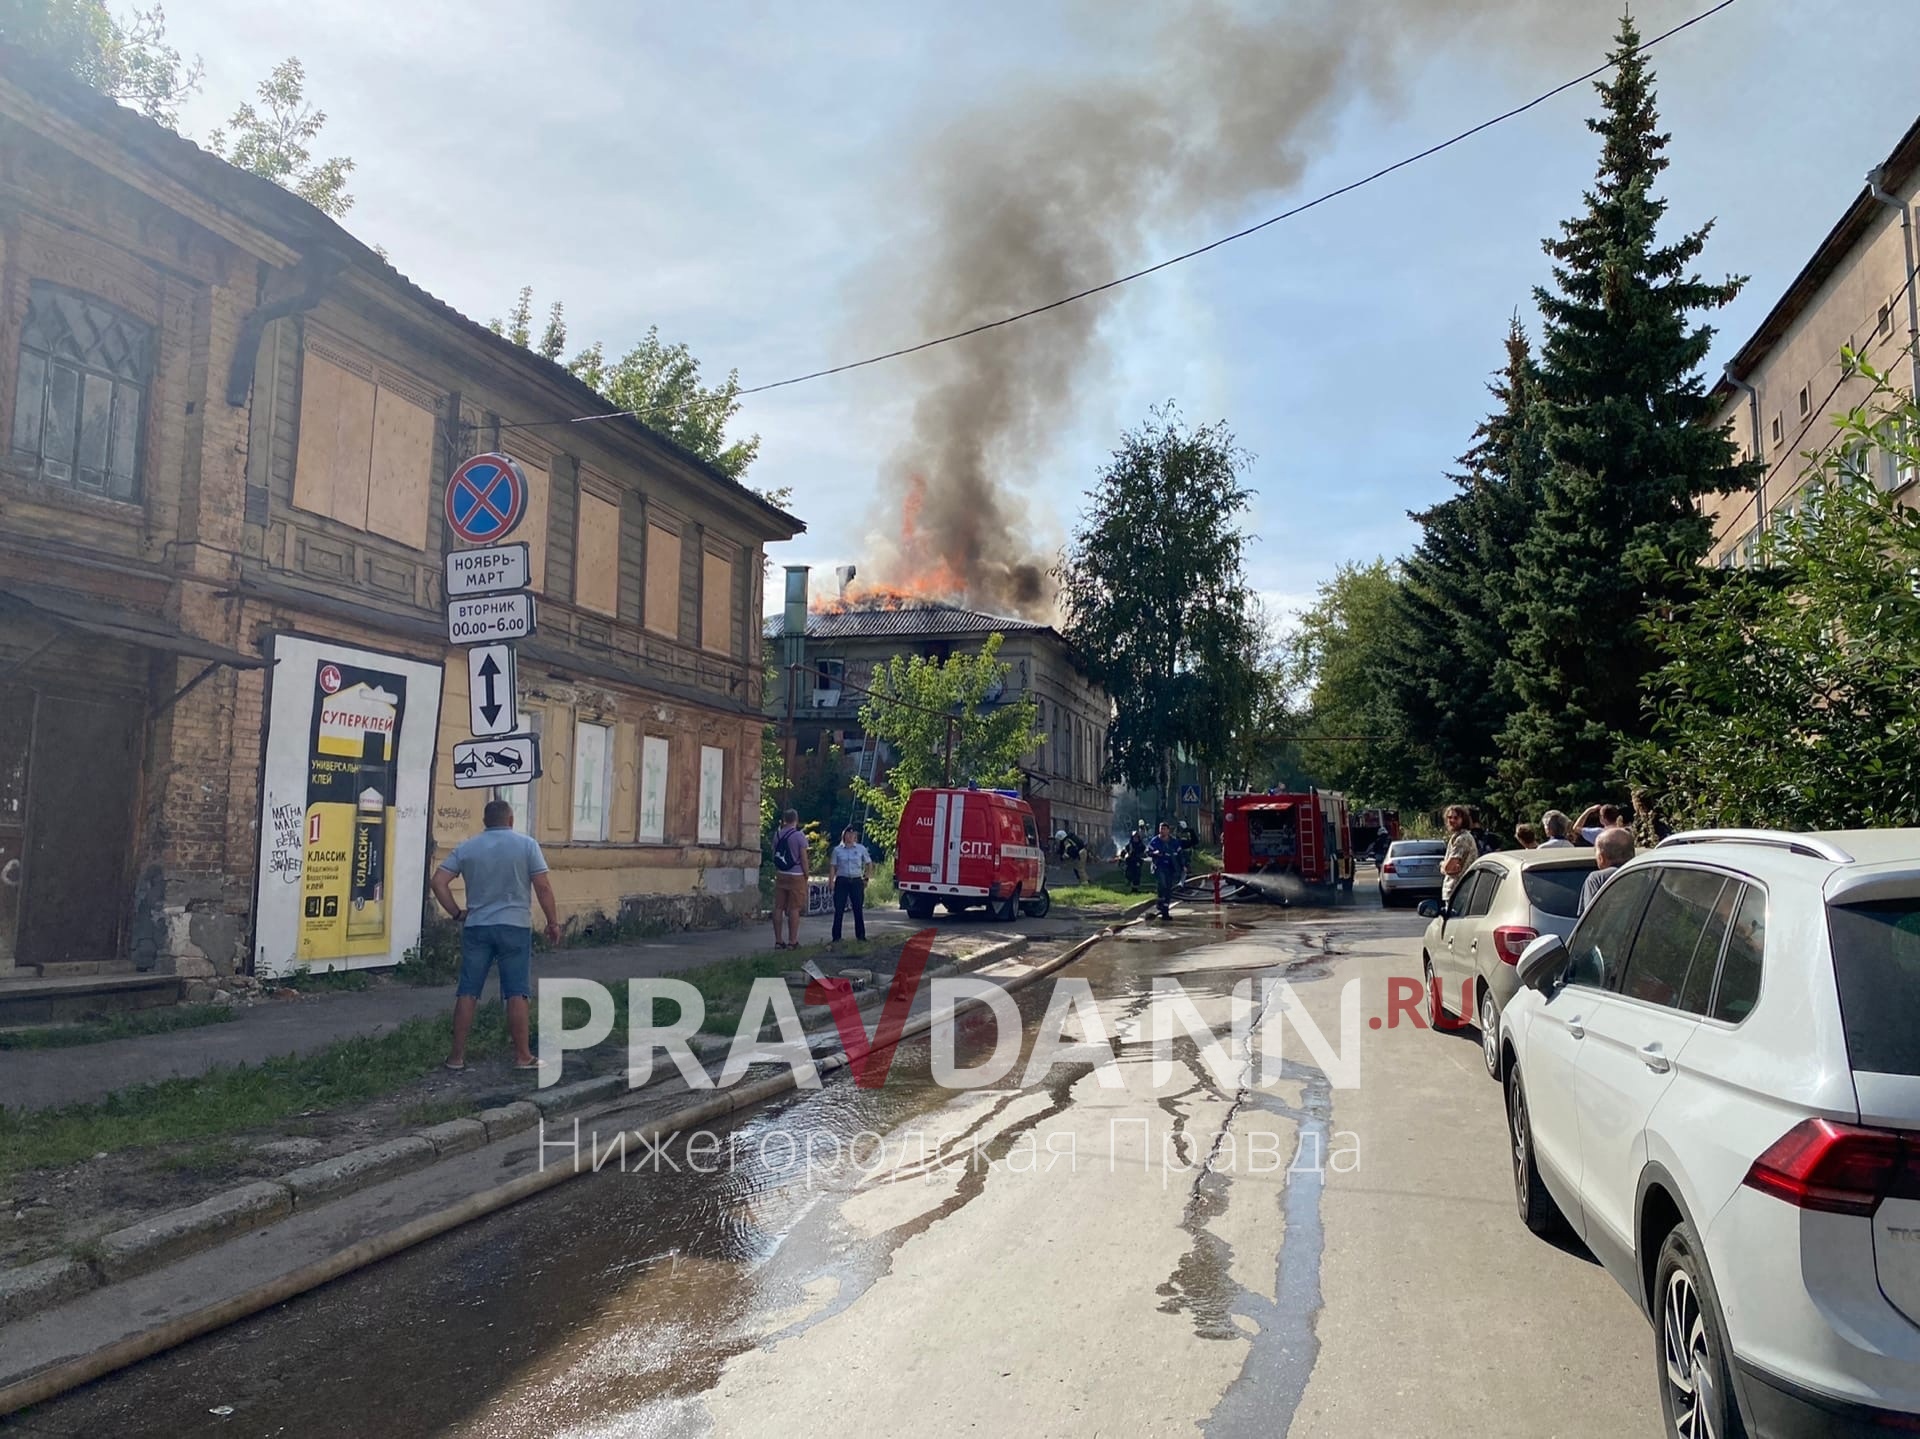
229	1101
1109	887
130	1025
436	1111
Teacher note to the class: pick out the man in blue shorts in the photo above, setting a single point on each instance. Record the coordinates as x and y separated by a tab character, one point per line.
503	872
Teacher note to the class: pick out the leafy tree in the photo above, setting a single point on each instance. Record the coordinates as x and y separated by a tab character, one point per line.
274	141
1265	753
916	701
1155	597
1631	447
1453	676
126	58
1343	654
1789	695
658	383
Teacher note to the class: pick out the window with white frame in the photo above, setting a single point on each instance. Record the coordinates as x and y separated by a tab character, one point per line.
592	779
653	789
713	778
81	394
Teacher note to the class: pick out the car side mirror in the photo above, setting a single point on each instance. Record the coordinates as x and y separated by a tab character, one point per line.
1429	909
1542	962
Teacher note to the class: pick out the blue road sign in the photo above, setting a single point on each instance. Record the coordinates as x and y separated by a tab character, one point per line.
1189	794
486	499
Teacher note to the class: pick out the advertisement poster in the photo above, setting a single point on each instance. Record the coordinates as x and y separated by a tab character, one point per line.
350	744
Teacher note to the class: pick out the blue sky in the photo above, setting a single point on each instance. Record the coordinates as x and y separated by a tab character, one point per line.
743	176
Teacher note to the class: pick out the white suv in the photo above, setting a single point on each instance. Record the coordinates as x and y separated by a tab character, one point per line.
1715	1082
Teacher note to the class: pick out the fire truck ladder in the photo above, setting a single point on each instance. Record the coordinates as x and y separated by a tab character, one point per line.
1308	829
867	769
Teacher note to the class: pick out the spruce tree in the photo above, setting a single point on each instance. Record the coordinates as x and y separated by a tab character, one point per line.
1631	449
1454	682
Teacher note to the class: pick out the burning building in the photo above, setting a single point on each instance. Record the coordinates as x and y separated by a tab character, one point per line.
839	642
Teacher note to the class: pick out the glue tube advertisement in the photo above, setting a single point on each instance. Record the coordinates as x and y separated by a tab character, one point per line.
344	807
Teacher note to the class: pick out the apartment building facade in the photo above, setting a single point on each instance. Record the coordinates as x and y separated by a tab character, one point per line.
845	646
229	428
1783	390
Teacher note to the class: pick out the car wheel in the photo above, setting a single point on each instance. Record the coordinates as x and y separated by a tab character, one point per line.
919	907
1537	1208
1437	1016
1038	906
1690	1352
1490	1032
1004	911
1387	901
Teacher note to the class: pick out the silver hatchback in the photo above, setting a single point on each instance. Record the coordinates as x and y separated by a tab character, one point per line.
1501	905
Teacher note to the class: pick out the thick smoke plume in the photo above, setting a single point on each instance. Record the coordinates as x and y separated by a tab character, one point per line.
1050	190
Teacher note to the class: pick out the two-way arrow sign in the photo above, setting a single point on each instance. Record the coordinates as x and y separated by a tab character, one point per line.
492	690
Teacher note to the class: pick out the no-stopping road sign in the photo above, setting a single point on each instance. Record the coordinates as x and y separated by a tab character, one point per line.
486	499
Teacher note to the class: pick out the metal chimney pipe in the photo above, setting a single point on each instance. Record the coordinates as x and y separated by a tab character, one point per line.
795	630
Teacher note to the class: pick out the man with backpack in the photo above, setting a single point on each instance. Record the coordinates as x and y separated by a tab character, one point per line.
789	880
1135	853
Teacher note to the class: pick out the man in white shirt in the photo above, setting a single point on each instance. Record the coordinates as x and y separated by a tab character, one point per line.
851	866
1557	826
1611	849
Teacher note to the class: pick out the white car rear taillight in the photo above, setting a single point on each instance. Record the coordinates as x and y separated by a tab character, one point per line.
1837	1168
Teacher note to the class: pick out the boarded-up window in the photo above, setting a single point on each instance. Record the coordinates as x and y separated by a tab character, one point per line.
533	529
662	614
336	442
596	578
366	453
716	604
402	468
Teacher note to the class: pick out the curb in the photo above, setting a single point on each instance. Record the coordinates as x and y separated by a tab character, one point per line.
57	1379
173	1234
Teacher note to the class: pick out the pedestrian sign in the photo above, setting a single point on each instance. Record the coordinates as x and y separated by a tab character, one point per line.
486	499
1189	794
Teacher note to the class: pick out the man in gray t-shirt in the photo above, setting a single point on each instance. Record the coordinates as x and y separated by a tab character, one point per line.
504	871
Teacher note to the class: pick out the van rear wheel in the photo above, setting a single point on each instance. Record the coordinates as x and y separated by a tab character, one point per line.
919	907
1003	911
1037	907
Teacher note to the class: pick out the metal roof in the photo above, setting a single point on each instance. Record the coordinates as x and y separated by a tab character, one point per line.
923	621
1861	214
288	218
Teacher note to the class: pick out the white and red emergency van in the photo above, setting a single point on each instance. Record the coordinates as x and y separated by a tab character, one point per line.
963	847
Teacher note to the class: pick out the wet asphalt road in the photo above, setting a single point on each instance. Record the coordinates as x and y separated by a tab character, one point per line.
1103	1250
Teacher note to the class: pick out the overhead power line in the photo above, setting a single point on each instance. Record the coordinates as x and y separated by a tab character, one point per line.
1347	189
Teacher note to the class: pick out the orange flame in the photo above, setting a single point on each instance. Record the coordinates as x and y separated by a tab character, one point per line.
926	577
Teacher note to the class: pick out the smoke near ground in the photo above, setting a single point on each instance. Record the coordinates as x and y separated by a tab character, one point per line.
1051	189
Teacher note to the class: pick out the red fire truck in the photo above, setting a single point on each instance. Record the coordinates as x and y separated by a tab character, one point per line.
1306	835
964	847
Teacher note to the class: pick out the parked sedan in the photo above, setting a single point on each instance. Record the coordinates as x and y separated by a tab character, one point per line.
1501	905
1411	871
1715	1083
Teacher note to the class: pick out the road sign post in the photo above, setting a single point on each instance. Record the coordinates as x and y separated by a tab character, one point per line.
509	759
493	698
